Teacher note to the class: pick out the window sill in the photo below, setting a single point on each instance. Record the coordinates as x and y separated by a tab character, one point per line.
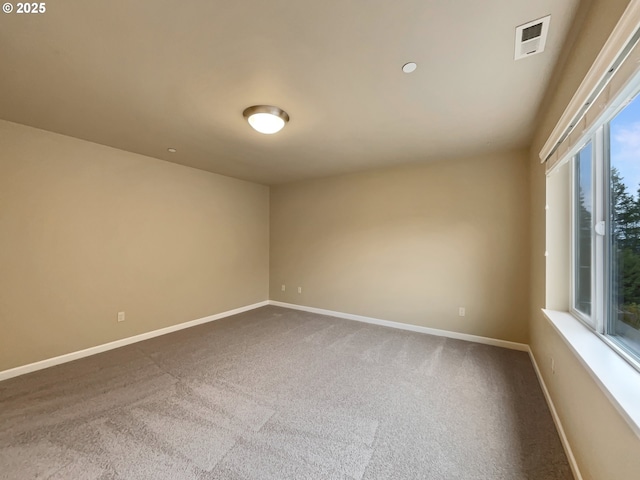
617	379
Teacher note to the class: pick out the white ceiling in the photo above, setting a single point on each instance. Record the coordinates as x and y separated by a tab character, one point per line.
146	75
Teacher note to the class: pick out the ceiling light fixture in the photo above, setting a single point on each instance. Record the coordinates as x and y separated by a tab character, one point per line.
409	67
171	150
266	119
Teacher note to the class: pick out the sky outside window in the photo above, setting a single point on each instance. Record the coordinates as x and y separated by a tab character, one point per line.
625	145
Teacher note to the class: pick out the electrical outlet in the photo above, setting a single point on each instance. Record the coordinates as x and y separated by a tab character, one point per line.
462	311
299	289
284	287
121	316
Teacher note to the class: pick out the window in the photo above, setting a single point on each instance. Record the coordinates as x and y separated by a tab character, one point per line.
624	239
583	192
606	230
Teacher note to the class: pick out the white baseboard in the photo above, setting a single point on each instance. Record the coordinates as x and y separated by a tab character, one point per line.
556	419
50	362
407	326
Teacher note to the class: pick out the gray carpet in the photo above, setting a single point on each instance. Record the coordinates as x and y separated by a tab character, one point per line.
281	394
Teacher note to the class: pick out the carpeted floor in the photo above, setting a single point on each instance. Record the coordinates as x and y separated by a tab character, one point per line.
282	394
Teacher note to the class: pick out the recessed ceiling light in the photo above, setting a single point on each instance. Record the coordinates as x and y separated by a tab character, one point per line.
409	67
266	119
171	150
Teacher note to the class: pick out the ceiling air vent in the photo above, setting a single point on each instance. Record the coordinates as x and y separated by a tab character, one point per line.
532	37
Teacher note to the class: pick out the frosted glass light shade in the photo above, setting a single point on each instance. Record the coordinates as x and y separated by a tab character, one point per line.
266	123
266	118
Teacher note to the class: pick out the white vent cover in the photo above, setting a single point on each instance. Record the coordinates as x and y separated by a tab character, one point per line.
532	37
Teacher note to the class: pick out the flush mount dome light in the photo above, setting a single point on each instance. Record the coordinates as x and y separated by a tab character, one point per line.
266	118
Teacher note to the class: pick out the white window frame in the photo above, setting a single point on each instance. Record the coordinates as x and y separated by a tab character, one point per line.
598	322
588	320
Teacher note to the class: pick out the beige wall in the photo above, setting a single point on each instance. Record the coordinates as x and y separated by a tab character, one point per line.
87	231
604	445
410	244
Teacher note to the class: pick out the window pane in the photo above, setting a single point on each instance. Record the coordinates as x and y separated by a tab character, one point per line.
624	270
583	209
